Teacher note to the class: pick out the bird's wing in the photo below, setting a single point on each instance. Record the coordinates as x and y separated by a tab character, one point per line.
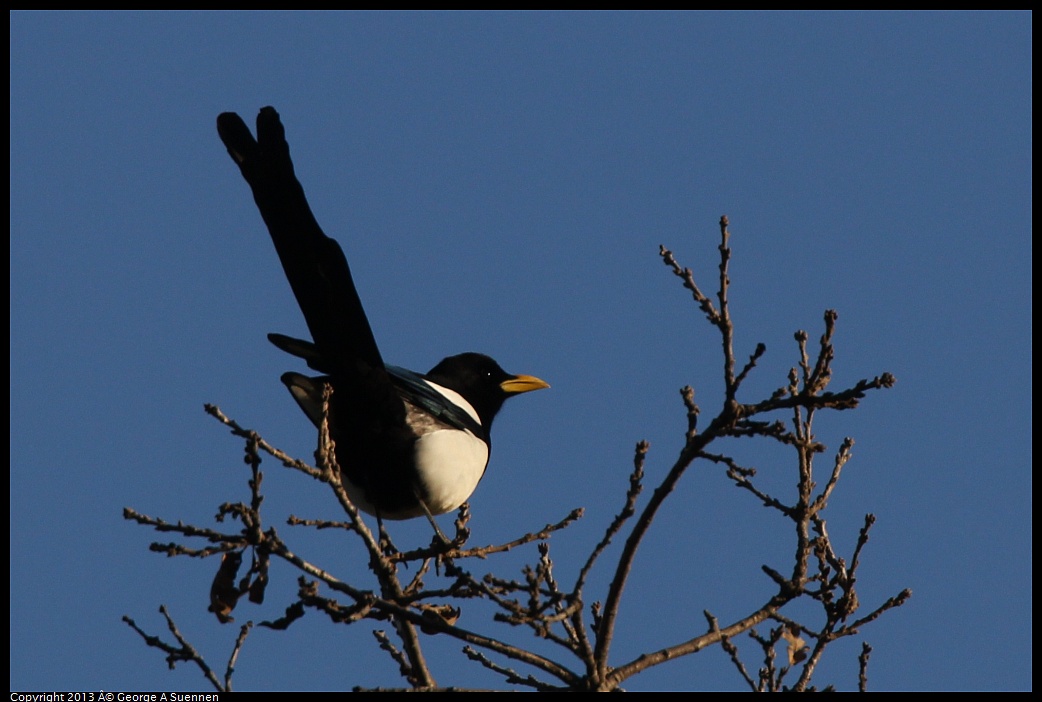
411	386
315	264
418	391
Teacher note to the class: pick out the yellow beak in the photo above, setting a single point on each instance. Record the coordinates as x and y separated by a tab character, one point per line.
523	383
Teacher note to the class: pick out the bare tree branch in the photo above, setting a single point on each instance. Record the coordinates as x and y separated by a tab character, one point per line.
422	592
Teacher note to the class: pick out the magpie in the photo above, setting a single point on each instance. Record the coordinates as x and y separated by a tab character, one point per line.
407	444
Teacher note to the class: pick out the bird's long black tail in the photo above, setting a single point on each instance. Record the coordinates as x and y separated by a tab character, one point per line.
315	264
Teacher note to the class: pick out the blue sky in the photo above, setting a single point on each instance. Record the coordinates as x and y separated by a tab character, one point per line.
501	183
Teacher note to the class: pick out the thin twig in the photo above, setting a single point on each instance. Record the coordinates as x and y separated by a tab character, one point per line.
175	654
862	678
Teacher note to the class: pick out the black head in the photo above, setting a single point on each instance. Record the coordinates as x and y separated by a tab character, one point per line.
482	383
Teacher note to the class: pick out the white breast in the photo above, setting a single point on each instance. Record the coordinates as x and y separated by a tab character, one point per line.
450	463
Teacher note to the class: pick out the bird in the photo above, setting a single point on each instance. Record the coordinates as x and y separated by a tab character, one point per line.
407	444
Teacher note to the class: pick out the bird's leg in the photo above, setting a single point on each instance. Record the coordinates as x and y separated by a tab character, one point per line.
430	518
